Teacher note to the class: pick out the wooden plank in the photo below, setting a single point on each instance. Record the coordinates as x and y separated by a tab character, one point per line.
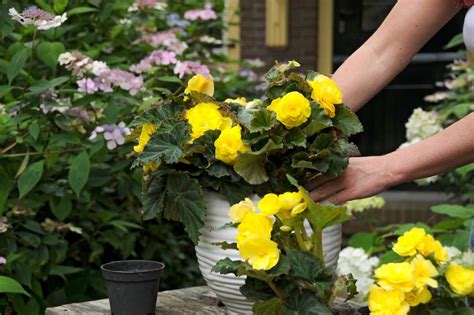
276	23
232	34
325	36
196	300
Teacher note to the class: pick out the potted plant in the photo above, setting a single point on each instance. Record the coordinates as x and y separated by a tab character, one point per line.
201	155
284	264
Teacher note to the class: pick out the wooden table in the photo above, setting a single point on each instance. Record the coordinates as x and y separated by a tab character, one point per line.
196	300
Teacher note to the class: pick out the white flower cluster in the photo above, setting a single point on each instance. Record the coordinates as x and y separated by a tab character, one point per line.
37	17
422	125
356	262
456	256
360	205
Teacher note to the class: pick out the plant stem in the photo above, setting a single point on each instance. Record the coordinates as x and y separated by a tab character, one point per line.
41	153
318	243
299	237
30	67
276	290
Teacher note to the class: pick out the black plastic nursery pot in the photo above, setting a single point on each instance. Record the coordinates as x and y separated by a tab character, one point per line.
132	286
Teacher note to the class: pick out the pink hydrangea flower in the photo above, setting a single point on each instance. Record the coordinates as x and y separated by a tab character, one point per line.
37	17
156	58
87	85
191	67
3	260
113	134
203	14
166	39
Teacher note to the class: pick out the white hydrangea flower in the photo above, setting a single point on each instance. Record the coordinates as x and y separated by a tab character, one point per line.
467	259
361	205
210	40
356	262
453	252
37	17
125	21
66	58
422	125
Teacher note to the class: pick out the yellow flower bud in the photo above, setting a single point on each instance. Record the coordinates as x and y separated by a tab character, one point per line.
151	166
292	110
285	228
239	100
298	209
326	93
417	296
229	144
148	130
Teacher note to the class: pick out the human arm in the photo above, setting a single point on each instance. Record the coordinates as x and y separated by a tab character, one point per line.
388	51
367	176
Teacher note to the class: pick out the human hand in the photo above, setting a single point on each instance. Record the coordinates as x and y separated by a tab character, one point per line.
364	177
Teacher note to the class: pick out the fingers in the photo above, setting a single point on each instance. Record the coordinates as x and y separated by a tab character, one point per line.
317	181
340	197
327	190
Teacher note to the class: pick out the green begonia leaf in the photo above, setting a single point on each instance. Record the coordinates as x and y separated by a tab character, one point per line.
346	121
185	203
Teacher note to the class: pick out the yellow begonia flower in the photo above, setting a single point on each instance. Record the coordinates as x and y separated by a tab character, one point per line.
204	117
270	204
326	93
289	200
417	296
408	243
238	211
200	83
148	130
261	252
383	302
431	246
424	272
291	110
151	166
298	209
239	100
253	223
229	144
396	276
460	279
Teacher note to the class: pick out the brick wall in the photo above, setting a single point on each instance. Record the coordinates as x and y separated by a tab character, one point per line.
302	42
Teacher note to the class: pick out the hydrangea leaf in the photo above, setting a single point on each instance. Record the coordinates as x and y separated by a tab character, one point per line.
30	177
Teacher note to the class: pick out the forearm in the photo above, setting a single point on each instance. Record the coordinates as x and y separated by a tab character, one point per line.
388	51
449	149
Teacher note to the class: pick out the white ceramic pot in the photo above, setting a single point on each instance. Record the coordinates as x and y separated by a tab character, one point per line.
227	286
